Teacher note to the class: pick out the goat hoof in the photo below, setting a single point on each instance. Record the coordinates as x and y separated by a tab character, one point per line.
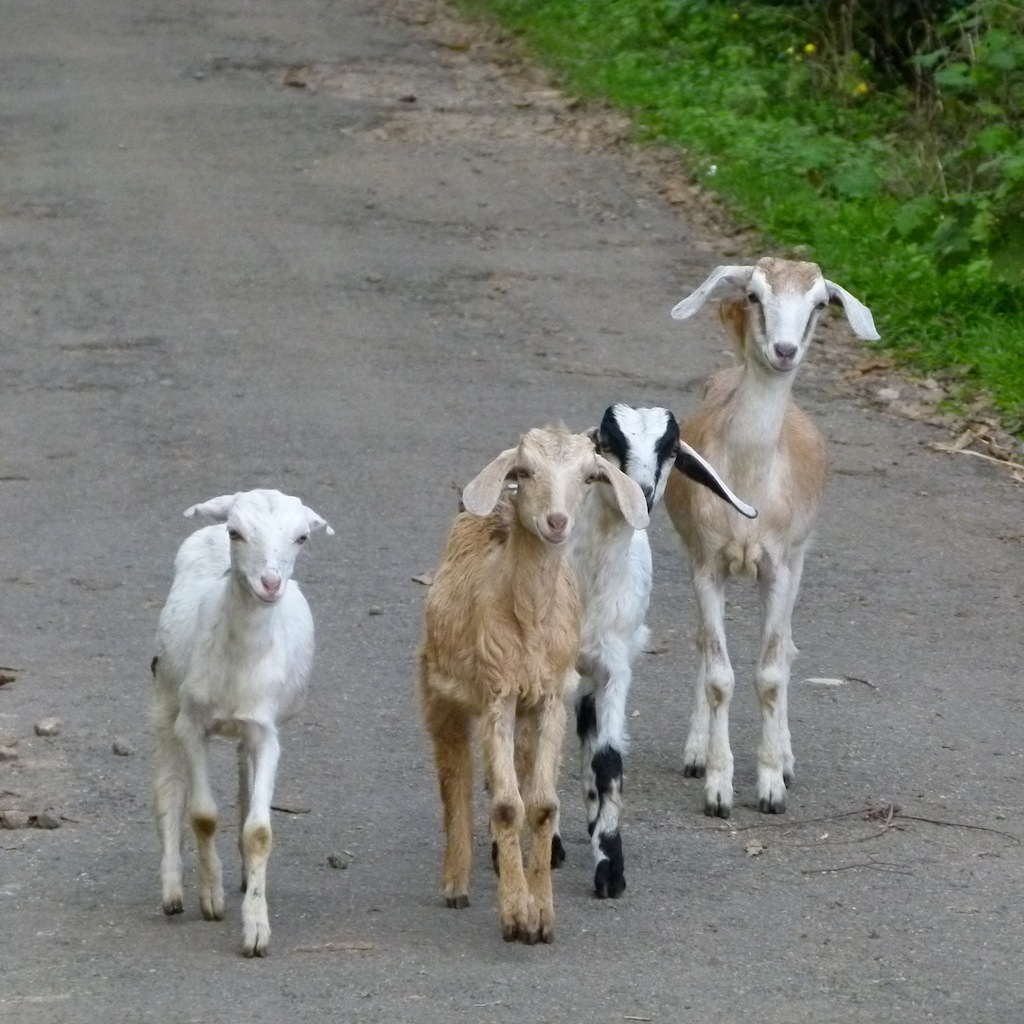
768	805
457	902
693	771
173	906
716	809
787	779
609	881
557	852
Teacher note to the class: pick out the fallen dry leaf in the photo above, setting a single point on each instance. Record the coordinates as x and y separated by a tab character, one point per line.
426	578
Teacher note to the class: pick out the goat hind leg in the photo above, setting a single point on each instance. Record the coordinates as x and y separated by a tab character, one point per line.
450	730
775	754
170	790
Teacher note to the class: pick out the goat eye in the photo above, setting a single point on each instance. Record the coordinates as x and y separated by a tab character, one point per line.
234	534
594	477
753	299
520	473
820	306
302	539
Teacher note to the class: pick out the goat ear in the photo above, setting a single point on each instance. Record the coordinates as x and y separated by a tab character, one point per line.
857	313
216	509
316	522
594	433
698	468
481	494
628	495
736	277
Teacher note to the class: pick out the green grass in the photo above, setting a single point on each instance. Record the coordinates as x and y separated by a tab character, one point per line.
813	153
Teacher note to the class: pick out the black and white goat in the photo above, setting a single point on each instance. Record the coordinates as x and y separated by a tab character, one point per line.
612	563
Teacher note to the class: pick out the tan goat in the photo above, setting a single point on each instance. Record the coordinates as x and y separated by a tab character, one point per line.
502	635
771	453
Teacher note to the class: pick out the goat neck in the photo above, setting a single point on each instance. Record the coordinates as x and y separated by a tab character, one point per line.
754	425
533	576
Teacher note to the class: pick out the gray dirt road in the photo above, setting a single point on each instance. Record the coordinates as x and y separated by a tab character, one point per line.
212	279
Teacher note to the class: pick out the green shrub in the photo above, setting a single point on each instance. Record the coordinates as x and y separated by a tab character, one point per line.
883	138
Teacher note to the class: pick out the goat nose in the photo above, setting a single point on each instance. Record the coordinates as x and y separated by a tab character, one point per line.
785	350
558	521
271	582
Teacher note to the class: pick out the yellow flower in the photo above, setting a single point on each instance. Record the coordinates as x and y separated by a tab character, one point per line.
735	16
860	89
810	48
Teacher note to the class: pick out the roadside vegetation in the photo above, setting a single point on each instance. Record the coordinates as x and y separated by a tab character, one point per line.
882	138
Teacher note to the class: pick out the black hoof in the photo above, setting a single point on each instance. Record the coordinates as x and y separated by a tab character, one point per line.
174	907
457	902
787	778
557	851
716	809
768	806
693	771
609	881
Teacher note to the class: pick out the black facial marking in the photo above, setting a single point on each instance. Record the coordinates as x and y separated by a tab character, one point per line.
665	449
611	439
586	716
153	664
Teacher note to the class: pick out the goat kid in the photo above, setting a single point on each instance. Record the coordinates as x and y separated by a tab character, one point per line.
500	647
748	426
613	567
234	654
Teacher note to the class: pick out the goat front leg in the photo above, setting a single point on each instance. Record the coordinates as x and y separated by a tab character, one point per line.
517	909
601	724
779	586
203	814
264	748
540	797
707	750
170	790
450	730
524	765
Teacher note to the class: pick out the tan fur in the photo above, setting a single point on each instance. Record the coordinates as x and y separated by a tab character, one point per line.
502	632
787	501
774	457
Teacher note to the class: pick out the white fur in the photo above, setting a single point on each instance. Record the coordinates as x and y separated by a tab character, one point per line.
234	653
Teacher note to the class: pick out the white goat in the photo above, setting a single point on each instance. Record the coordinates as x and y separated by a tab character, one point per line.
502	635
773	454
612	563
234	654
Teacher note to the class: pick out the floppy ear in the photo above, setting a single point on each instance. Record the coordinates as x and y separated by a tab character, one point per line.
594	433
216	508
857	313
315	522
736	277
481	494
628	495
697	468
